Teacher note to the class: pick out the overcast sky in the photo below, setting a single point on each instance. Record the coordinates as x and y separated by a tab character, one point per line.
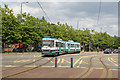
86	13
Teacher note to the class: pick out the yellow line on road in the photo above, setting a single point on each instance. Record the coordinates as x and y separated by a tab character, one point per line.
58	60
80	62
62	61
34	60
85	62
76	61
67	61
112	62
50	61
37	55
30	66
10	66
19	61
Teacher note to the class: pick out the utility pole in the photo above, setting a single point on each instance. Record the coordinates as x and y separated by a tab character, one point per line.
21	17
89	46
21	11
101	29
77	24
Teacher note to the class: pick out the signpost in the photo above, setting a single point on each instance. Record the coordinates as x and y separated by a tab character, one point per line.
84	42
89	46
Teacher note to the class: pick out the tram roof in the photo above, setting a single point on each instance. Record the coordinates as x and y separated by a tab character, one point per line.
58	40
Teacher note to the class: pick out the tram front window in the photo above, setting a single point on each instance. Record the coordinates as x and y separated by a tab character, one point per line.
48	43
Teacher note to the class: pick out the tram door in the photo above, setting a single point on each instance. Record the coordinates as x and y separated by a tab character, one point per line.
60	47
75	47
68	47
64	46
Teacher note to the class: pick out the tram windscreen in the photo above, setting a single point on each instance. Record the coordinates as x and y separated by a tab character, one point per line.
49	43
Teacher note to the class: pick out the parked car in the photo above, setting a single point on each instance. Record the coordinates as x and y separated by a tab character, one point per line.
107	51
116	51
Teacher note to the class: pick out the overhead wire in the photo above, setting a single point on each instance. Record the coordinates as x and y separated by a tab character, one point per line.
99	12
44	11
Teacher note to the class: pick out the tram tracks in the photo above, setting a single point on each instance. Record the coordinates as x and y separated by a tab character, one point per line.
24	64
26	70
84	73
87	71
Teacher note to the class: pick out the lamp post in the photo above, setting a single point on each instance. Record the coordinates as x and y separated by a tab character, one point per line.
21	17
21	11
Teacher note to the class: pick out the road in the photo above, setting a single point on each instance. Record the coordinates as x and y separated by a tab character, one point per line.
85	65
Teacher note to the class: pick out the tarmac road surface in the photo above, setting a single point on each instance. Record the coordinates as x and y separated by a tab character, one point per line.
85	65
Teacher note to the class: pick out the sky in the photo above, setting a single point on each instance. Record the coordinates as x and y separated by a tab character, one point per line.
85	14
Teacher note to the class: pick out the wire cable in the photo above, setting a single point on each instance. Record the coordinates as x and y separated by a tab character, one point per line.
44	11
98	19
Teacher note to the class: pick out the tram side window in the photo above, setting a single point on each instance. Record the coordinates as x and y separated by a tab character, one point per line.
72	45
58	44
62	44
77	45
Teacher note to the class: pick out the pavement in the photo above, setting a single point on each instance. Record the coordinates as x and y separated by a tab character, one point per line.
18	65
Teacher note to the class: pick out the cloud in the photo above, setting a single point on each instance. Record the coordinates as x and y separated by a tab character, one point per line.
72	12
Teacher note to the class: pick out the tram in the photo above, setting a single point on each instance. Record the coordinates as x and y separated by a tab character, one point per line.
52	46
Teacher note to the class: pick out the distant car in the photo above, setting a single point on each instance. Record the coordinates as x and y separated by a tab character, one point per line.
107	51
116	51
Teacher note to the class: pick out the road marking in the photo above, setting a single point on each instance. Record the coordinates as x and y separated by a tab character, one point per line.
58	60
67	61
112	62
99	68
20	61
1	65
76	61
34	55
34	60
85	62
47	66
80	62
114	69
30	66
62	61
63	66
10	66
50	60
37	55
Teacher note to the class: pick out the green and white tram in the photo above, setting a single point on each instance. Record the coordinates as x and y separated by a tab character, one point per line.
52	46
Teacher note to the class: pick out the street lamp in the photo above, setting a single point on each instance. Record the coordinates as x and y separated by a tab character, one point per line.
21	16
21	11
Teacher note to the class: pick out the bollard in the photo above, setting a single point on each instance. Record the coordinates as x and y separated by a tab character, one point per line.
71	62
55	62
